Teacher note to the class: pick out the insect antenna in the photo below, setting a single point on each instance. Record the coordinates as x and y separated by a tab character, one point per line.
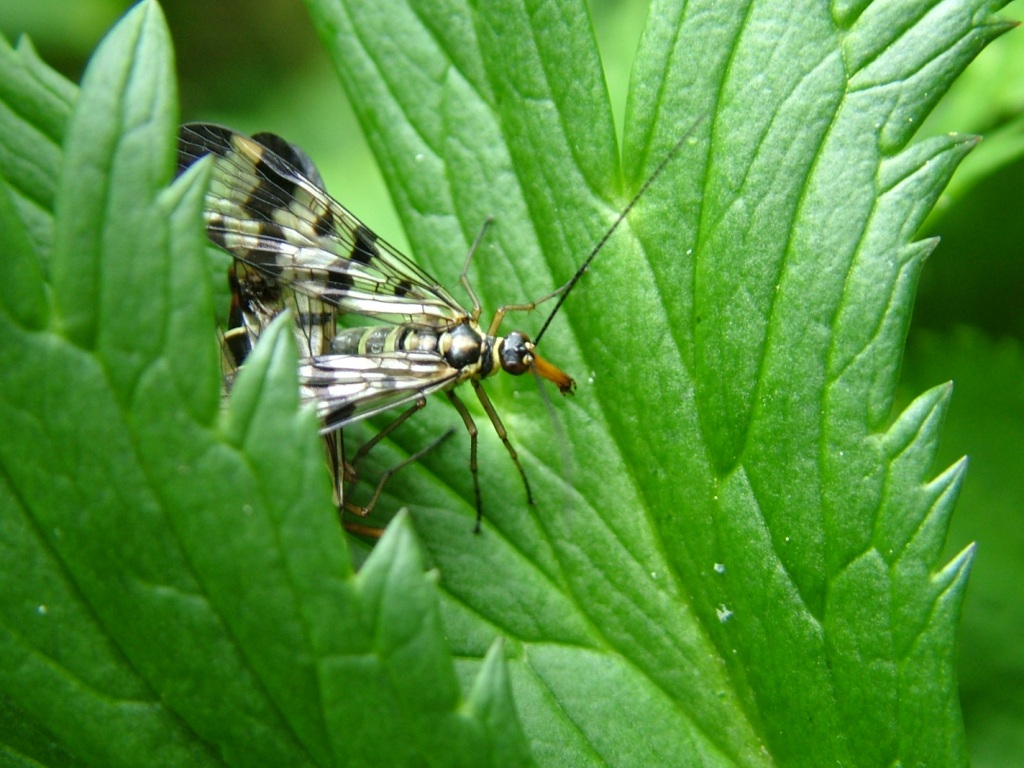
563	292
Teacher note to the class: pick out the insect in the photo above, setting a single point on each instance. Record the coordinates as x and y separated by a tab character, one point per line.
258	297
268	208
236	345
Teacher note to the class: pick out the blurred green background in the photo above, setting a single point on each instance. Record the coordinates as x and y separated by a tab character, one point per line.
256	65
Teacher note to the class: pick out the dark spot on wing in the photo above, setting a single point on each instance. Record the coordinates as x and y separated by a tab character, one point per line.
314	319
403	288
216	232
364	250
323	225
341	281
271	230
287	152
266	260
273	193
257	293
198	139
292	155
337	416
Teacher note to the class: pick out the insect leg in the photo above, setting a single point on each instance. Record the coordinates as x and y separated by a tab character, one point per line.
499	314
342	472
345	472
391	471
368	445
492	414
351	475
471	428
359	529
464	275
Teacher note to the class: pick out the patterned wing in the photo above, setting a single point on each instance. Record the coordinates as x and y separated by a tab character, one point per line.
267	207
349	388
255	303
257	299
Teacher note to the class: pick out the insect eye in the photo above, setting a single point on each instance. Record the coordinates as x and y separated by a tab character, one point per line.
516	353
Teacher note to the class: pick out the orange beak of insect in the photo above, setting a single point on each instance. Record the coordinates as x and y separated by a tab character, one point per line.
556	376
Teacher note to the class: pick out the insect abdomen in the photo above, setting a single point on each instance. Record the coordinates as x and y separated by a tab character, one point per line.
380	339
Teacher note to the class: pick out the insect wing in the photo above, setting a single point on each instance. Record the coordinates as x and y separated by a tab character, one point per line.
349	388
267	207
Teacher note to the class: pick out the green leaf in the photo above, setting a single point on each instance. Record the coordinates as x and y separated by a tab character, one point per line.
975	276
986	418
35	103
734	558
985	100
175	585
